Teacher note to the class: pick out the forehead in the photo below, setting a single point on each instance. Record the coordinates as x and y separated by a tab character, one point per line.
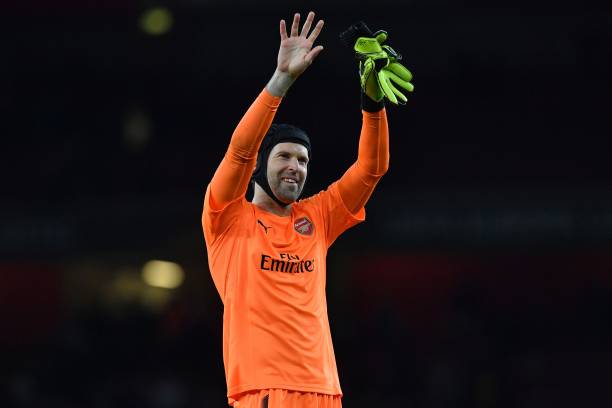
289	147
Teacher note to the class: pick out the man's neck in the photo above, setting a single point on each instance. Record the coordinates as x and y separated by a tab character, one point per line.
263	201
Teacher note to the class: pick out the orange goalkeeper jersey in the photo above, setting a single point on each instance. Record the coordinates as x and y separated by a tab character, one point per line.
270	271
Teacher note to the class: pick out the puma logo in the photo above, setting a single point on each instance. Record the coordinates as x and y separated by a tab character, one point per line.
264	227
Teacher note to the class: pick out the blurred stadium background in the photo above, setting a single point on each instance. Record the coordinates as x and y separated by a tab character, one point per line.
482	278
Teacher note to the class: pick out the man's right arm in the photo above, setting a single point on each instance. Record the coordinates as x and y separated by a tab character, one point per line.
296	53
231	178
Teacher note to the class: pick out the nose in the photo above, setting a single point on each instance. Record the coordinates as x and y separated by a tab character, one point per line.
292	164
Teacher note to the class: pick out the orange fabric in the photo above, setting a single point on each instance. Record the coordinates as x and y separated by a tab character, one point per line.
232	177
270	271
276	398
271	278
357	184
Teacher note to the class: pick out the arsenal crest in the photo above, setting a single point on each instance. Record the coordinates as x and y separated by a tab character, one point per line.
304	226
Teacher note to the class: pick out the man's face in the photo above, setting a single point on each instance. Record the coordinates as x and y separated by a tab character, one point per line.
287	170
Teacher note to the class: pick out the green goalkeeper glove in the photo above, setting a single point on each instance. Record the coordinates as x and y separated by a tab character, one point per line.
369	81
394	72
379	68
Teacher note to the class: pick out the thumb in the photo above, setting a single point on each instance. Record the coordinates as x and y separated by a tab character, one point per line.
313	54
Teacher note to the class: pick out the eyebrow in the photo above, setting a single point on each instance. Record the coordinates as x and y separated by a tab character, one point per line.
299	155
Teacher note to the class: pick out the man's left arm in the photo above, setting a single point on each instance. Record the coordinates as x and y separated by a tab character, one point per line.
358	182
381	77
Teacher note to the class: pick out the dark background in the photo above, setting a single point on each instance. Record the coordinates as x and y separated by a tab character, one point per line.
482	278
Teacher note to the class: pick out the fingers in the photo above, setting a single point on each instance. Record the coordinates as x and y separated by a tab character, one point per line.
307	24
402	98
313	54
387	81
317	30
384	85
400	71
296	25
283	30
404	84
366	69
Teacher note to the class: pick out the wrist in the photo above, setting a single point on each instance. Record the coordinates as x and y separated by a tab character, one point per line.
280	83
370	105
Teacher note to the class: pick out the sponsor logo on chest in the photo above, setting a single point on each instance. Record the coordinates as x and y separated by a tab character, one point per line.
288	263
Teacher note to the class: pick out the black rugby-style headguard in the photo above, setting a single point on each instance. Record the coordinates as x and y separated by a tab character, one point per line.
278	133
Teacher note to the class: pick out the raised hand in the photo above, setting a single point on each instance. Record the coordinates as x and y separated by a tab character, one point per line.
296	51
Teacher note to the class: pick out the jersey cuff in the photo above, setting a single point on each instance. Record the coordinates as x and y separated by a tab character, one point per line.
270	99
369	105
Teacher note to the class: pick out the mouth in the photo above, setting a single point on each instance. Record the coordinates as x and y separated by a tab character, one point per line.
289	180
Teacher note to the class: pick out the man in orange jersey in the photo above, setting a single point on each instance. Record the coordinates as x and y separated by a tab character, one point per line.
268	257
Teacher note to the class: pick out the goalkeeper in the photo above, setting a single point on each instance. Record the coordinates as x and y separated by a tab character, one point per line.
267	257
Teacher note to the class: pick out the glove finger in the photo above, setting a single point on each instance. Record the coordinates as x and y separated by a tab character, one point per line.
365	70
404	84
402	98
400	70
368	46
381	36
384	85
368	81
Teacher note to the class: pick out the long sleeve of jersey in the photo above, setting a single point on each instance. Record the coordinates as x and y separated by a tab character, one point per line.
231	178
358	183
